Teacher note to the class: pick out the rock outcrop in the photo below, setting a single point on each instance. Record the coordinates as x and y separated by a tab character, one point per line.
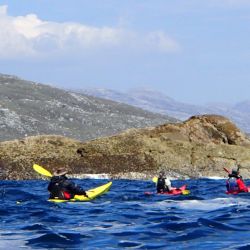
200	146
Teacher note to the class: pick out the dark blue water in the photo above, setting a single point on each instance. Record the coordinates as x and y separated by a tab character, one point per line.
125	218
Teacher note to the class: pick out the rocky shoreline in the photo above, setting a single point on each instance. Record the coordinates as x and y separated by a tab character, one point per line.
134	176
129	176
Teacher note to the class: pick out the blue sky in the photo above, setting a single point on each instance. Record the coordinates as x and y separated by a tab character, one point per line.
191	50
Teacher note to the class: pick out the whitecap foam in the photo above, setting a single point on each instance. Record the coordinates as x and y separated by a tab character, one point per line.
202	205
215	178
90	176
213	204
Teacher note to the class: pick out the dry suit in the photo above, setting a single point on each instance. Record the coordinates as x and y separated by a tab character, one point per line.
60	187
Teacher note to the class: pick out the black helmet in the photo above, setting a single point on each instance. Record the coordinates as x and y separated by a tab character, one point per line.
162	174
235	172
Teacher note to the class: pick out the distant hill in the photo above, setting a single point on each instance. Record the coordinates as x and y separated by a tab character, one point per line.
159	103
29	108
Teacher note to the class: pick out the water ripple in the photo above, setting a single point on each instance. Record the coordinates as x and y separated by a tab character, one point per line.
125	218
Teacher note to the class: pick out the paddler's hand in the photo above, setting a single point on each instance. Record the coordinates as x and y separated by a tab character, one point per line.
85	194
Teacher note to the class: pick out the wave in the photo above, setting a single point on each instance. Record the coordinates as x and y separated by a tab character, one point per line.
209	205
90	176
125	218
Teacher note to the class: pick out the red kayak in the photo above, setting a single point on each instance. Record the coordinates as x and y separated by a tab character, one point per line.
174	191
238	192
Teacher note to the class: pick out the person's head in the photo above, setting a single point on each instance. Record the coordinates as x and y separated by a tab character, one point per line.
235	171
162	174
60	172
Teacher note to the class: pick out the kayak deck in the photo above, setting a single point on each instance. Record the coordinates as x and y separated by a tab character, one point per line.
238	192
92	194
174	191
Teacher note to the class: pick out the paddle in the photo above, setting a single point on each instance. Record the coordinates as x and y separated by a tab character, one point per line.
227	170
155	179
184	192
41	170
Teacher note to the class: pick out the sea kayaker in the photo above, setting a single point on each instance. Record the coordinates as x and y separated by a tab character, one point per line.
235	182
60	187
163	183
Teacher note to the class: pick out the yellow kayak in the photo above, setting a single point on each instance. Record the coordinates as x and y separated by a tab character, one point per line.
92	194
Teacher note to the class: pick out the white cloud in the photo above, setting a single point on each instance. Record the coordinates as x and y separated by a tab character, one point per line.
3	10
30	36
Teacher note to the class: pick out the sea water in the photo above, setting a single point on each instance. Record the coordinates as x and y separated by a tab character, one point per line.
125	218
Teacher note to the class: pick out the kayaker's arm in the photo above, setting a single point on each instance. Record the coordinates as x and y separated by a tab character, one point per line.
168	184
75	189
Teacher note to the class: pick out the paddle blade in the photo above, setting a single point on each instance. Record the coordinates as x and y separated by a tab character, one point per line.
185	192
41	170
155	179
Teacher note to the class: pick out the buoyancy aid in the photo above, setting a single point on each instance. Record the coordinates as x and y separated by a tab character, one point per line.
232	185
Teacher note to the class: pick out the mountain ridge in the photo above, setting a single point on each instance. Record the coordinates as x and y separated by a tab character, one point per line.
29	108
158	102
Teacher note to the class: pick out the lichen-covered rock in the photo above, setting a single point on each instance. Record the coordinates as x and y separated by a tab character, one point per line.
200	146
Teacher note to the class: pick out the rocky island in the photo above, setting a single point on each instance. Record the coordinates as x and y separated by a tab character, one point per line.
199	147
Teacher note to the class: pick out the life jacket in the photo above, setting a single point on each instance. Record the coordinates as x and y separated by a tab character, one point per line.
232	185
67	195
58	190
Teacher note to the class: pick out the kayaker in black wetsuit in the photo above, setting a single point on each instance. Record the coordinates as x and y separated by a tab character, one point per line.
163	183
60	187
